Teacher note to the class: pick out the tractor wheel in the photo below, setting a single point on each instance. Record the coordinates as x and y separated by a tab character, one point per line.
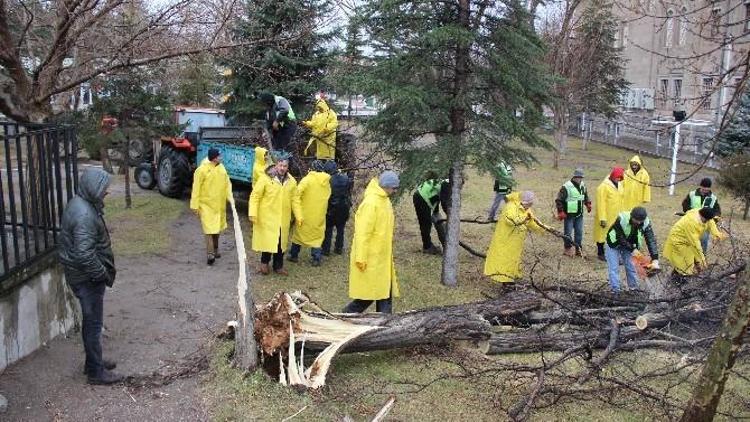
173	172
144	176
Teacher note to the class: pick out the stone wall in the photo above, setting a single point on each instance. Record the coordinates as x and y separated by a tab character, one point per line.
35	307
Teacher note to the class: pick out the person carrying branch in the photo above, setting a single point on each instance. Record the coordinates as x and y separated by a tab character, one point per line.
272	203
426	201
622	239
571	199
683	247
312	193
211	191
607	206
636	187
322	125
503	263
372	274
702	197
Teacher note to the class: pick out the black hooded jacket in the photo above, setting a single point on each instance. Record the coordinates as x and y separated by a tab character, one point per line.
85	249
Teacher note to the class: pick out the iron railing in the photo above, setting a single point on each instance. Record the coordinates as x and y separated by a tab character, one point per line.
38	169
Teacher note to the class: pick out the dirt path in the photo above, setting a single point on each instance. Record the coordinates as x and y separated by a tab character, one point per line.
162	309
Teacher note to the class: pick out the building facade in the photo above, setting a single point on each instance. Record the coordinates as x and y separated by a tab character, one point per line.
682	55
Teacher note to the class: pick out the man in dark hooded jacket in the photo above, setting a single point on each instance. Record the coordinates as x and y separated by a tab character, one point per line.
85	252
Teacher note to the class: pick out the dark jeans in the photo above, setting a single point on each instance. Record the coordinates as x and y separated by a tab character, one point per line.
278	257
424	216
315	253
91	298
358	306
336	218
570	225
281	138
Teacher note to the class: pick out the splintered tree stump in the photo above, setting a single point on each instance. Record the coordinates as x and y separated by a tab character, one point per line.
290	325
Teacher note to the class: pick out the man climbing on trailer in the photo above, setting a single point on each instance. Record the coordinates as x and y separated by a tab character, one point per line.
322	125
281	121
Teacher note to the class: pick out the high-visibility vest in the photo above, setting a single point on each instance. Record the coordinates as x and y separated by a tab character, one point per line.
575	197
697	202
626	228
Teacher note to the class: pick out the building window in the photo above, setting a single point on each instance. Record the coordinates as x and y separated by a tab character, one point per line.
683	26
677	91
708	88
747	16
669	25
625	34
663	92
715	20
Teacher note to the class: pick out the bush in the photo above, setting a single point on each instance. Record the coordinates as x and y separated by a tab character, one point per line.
735	176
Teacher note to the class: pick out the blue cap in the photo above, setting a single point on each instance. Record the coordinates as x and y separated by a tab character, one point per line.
389	179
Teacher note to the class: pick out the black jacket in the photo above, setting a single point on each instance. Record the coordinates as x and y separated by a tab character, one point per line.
631	242
85	249
341	192
686	202
562	198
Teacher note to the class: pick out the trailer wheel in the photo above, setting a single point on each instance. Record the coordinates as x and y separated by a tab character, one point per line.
144	176
173	172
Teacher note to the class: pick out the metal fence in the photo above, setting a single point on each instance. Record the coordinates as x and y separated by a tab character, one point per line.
644	135
38	169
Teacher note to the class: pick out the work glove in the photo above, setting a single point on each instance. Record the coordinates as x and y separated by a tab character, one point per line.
588	207
361	265
603	224
654	265
253	219
299	222
721	236
561	215
275	125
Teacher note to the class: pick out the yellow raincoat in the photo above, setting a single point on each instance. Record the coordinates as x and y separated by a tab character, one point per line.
259	165
683	246
272	205
312	193
503	263
323	126
609	203
373	246
636	188
211	191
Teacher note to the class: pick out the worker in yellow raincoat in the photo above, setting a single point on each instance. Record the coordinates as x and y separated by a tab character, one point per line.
503	263
272	203
260	163
683	247
312	193
636	188
372	274
211	191
322	125
608	204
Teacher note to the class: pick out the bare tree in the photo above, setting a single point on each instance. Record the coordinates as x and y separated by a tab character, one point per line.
49	48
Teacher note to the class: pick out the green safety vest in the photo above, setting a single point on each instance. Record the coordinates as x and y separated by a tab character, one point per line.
695	201
626	228
428	190
575	197
292	116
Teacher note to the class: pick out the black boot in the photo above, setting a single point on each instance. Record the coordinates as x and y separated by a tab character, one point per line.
107	378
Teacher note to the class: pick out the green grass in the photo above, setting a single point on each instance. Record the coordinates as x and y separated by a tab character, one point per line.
145	227
359	383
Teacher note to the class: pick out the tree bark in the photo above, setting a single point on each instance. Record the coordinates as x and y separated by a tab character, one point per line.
721	358
561	135
126	165
449	276
747	208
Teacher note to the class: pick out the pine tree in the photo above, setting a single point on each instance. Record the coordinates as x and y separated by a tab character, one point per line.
462	83
293	61
736	137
